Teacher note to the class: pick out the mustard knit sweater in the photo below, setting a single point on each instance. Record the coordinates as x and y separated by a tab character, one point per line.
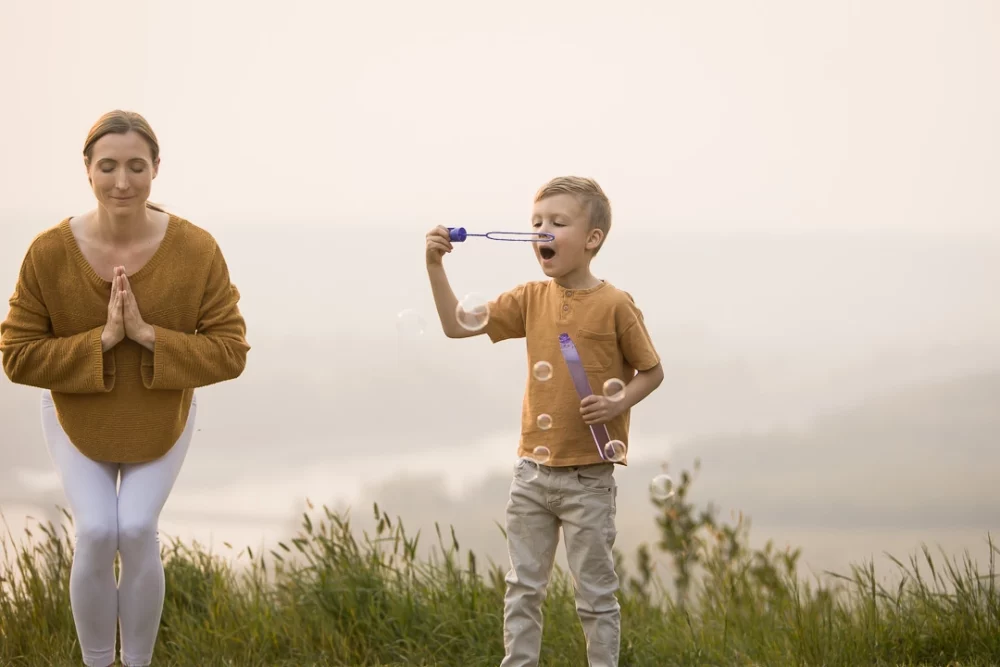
126	405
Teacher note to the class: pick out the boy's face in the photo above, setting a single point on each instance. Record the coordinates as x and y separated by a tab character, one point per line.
568	221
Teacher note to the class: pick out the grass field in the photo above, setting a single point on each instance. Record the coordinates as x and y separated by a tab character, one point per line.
332	597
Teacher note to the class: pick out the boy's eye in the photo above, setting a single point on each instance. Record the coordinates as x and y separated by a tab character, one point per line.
138	170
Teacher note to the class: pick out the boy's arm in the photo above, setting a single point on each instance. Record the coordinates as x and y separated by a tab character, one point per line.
642	385
506	316
438	245
447	303
637	348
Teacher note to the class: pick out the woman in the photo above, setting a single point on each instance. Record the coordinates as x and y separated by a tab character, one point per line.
118	315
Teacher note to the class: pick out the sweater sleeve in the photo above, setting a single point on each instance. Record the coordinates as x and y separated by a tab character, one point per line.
34	356
216	352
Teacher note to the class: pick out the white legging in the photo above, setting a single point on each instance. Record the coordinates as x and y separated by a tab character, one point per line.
109	520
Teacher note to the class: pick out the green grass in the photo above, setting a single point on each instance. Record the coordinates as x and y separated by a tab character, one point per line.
331	597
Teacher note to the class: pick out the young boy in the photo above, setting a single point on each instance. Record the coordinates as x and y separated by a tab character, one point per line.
575	489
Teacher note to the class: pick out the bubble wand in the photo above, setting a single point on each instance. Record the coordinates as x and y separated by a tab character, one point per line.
582	384
458	234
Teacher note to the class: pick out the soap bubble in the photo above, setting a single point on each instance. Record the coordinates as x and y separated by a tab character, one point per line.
614	451
410	323
614	389
541	455
544	422
472	312
542	371
662	487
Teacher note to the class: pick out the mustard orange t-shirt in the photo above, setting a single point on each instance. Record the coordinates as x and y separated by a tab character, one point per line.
611	338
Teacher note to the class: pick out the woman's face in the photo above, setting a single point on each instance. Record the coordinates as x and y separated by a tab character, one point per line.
121	172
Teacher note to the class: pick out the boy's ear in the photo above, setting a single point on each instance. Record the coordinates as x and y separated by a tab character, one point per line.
594	238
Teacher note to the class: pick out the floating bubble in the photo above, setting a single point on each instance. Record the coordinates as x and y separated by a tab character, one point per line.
662	487
544	422
541	455
472	312
614	389
614	451
410	323
542	371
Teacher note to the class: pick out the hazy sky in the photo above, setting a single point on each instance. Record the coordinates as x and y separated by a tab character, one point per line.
804	197
711	115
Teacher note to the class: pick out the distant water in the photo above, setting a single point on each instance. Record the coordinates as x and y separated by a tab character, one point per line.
263	508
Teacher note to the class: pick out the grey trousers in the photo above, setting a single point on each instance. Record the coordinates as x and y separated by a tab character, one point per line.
580	500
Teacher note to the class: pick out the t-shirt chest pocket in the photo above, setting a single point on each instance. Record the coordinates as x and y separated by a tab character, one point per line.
597	349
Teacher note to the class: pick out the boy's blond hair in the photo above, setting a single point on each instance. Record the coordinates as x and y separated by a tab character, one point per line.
588	193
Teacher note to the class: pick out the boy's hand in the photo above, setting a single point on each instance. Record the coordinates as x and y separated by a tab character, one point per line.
599	409
438	243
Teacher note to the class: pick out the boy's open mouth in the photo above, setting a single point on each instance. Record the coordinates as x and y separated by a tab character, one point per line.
546	252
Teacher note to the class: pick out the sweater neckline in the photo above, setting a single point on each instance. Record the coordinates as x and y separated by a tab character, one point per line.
173	223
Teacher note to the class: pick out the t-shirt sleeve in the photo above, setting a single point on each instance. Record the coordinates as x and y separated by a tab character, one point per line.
506	316
633	337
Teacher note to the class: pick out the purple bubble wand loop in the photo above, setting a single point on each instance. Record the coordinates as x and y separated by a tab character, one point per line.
582	384
458	234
